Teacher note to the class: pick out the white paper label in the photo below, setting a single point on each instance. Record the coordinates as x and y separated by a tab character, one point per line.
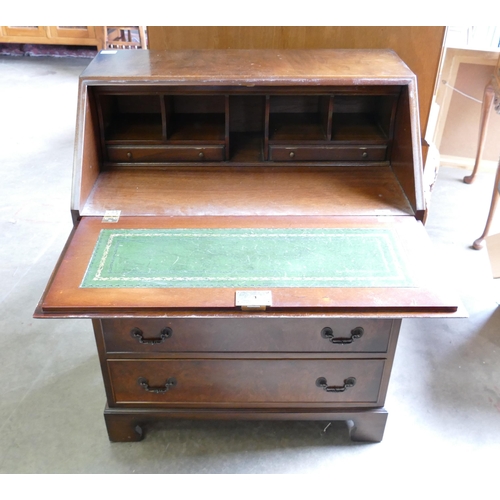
255	299
111	216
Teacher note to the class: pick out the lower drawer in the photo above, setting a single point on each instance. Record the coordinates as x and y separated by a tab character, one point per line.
327	153
156	154
245	381
340	335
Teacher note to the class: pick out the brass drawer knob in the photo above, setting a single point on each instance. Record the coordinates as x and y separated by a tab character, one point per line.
292	154
364	154
129	155
201	155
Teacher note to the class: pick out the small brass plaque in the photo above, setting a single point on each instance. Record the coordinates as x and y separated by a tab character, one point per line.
256	300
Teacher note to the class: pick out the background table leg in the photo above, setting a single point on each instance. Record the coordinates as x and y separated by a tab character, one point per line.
488	97
479	243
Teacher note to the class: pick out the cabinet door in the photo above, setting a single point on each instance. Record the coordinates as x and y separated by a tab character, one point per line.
71	31
25	31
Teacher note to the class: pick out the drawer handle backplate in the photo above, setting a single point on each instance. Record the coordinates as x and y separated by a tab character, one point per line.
356	333
323	384
170	383
138	334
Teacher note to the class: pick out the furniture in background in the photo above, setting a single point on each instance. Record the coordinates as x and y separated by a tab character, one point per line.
126	37
491	99
247	234
56	35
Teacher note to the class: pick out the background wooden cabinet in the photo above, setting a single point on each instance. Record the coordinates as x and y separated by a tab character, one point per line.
57	35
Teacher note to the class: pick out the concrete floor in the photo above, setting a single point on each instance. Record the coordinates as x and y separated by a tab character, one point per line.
443	400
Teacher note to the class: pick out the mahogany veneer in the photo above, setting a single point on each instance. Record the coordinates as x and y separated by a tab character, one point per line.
247	139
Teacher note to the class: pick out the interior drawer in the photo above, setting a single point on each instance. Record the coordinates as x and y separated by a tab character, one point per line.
245	381
327	153
247	335
155	154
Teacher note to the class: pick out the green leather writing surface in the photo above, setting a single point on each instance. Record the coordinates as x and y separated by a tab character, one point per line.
243	258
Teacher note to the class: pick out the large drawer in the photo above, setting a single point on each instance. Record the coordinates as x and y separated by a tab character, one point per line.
327	153
156	154
247	335
245	381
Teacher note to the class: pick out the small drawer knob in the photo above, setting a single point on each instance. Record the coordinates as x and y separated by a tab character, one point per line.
129	155
292	154
364	154
201	155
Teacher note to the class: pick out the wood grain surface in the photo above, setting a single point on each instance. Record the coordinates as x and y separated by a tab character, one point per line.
250	382
248	191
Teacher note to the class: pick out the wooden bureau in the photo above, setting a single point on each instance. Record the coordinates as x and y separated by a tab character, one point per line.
247	234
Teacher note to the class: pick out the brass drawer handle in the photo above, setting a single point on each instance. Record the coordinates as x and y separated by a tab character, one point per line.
170	383
323	384
356	333
138	334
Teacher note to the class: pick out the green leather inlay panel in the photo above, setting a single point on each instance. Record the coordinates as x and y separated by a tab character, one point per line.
247	258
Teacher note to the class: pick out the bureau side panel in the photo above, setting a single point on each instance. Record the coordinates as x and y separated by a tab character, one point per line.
406	158
86	166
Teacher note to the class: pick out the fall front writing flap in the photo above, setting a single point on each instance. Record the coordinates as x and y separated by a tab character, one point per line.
375	263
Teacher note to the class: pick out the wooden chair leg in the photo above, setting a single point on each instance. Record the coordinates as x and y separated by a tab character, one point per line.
479	243
488	97
142	37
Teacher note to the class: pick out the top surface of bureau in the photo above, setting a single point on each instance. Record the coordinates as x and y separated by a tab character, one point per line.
249	67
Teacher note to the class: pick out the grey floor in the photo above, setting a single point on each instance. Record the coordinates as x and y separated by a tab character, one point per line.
444	396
